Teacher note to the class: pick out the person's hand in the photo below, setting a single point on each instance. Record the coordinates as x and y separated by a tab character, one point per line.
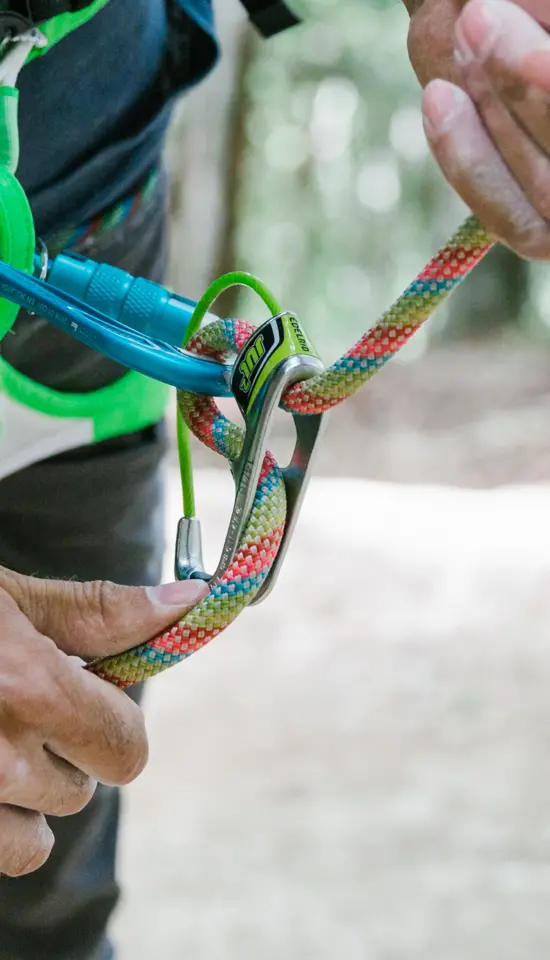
487	113
493	141
61	728
431	38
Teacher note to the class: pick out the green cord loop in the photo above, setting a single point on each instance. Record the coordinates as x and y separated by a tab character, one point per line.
235	279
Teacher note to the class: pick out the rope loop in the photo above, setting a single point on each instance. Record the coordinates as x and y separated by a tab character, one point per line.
263	534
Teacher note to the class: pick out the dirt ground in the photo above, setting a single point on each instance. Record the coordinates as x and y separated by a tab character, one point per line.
359	767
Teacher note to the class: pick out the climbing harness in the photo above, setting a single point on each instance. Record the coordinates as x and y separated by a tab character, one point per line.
58	18
37	421
169	340
55	18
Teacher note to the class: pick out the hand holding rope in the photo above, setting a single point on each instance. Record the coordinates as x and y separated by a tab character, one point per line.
264	530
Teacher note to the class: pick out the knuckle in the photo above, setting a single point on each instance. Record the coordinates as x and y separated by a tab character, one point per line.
27	671
27	848
109	597
98	601
429	45
28	860
8	587
521	228
83	605
28	691
89	606
121	748
531	243
134	763
6	771
77	796
132	751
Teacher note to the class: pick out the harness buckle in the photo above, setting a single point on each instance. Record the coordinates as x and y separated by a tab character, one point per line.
13	25
18	36
277	355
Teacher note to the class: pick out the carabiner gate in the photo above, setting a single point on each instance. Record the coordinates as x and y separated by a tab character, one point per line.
276	356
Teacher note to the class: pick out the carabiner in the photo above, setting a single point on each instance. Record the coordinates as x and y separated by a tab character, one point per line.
277	356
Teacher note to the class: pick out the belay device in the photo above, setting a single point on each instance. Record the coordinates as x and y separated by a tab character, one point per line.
144	326
276	356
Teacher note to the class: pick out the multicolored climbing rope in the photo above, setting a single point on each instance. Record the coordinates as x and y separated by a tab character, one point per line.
263	533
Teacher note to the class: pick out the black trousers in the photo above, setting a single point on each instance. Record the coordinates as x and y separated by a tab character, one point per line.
94	513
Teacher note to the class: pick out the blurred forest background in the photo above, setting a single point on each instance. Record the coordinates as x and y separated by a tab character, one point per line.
304	161
319	179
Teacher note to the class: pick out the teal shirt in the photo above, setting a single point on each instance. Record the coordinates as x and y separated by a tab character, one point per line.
94	112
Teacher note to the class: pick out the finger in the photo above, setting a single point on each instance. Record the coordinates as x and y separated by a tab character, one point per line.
48	699
430	39
41	781
527	162
515	112
26	841
101	731
100	618
474	168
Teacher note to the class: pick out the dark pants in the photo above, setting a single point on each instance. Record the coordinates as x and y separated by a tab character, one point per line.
95	513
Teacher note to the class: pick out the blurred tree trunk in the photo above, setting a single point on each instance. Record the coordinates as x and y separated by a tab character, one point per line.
202	158
226	254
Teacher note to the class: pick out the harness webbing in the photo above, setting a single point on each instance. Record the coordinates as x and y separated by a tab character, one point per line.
56	18
38	11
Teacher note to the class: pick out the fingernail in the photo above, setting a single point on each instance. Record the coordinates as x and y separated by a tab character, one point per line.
477	30
182	593
443	102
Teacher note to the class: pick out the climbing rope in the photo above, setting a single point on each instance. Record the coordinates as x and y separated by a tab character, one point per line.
263	533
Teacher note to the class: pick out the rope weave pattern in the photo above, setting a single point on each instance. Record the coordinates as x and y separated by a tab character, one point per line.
263	534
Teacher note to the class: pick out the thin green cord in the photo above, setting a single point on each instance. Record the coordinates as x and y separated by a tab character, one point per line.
186	466
235	279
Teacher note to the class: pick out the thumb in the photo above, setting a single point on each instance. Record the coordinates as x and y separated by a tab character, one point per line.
100	618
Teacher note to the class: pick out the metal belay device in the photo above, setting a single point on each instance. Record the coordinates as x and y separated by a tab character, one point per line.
277	355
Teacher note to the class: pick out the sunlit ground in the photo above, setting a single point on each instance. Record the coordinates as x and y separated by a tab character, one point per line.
359	767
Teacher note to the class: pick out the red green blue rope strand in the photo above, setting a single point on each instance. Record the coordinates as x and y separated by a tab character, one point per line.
264	530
